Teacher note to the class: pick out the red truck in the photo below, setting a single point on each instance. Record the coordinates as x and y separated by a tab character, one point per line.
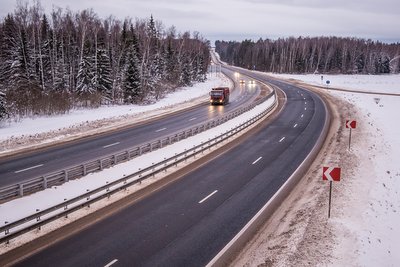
219	95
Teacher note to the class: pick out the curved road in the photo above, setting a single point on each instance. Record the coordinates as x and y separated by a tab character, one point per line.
187	222
38	163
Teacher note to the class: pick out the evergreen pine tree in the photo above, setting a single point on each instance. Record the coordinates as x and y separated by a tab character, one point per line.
103	81
44	56
84	79
132	86
185	78
3	111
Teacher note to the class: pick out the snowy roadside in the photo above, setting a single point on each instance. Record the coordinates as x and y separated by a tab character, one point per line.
363	229
31	133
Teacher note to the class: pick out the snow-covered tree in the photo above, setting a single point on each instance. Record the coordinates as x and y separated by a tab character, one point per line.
185	78
102	79
3	110
132	86
84	78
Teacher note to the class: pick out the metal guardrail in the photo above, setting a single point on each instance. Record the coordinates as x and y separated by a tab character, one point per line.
78	171
36	220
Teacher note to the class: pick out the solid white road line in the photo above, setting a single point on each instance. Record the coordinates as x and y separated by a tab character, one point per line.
192	119
114	144
162	129
283	138
256	160
204	199
295	125
111	263
30	168
305	108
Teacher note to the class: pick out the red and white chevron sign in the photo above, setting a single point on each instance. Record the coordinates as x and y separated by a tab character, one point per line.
351	124
331	173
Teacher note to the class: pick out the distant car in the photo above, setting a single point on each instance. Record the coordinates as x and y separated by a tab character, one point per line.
242	81
252	82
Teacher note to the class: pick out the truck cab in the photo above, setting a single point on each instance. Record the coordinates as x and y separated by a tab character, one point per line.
219	96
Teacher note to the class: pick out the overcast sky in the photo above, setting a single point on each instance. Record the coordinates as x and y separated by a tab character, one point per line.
240	19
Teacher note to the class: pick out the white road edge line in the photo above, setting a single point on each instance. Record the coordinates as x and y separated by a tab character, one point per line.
207	197
305	108
162	129
192	119
114	144
111	263
283	138
256	160
302	115
30	168
295	125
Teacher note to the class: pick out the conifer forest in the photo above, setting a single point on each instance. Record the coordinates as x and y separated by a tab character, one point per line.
334	55
51	63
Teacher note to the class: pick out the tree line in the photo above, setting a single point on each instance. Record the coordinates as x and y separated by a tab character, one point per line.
313	55
52	63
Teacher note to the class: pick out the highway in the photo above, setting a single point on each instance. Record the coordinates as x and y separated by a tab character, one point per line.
37	163
187	222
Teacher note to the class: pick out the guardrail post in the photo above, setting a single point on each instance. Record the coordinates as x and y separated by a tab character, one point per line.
115	159
140	151
38	218
44	182
7	230
128	156
84	170
21	190
151	147
101	164
66	176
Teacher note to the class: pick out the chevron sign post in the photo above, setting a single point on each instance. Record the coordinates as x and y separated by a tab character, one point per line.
350	124
330	174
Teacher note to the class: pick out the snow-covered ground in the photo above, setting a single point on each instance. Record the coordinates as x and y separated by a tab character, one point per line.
364	227
78	122
386	83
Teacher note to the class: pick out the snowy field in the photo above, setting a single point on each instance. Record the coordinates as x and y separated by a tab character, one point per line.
364	227
370	83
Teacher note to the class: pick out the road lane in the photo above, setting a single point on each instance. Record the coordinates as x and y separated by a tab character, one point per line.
170	228
59	157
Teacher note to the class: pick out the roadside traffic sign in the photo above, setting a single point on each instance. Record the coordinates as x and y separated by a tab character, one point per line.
351	124
331	174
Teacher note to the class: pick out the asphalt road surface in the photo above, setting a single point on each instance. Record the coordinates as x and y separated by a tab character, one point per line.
38	163
189	221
